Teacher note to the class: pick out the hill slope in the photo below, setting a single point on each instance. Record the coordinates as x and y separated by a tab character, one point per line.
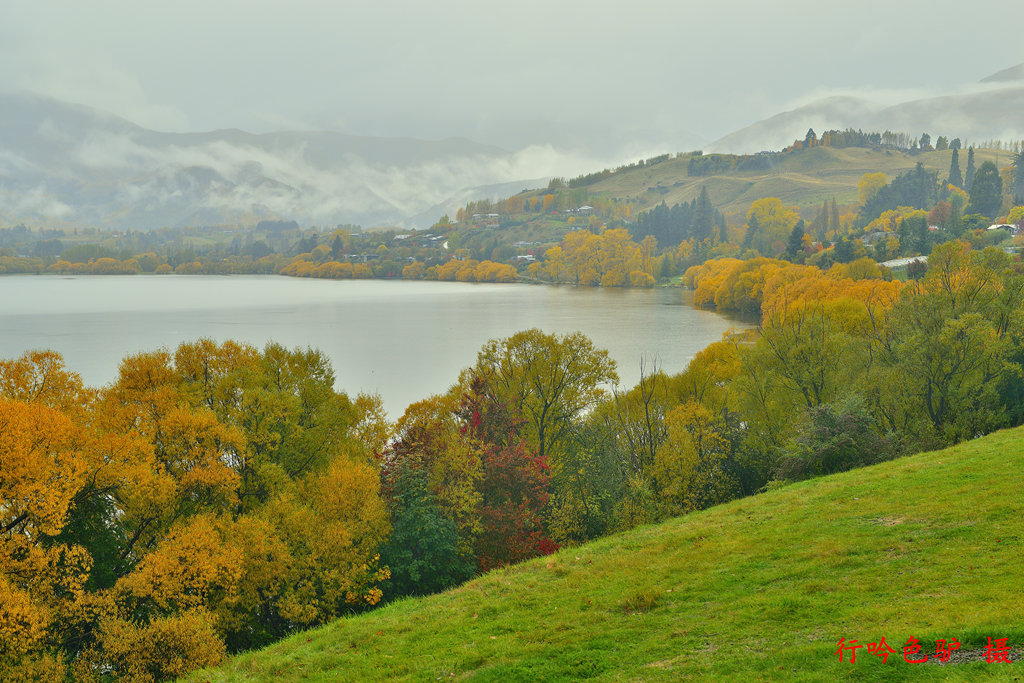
762	588
804	178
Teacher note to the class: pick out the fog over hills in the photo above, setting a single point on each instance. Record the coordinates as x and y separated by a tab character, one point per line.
67	164
63	164
985	111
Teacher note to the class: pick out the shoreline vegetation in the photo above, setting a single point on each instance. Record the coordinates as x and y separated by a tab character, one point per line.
616	228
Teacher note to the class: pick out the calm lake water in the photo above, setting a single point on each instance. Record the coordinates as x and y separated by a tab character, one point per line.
402	340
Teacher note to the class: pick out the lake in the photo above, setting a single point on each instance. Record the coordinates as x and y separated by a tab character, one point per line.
404	340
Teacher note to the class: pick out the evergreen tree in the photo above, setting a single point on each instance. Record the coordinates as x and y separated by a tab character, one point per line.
954	143
703	216
844	250
954	170
1018	178
819	226
833	222
422	550
752	229
986	191
969	174
918	188
796	241
811	139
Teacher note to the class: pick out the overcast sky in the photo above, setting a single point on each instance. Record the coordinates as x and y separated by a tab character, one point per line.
627	76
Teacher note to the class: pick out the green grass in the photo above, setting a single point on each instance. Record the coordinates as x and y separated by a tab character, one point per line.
762	588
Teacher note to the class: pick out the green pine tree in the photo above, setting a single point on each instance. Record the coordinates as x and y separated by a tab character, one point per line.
752	229
1018	178
969	174
955	178
704	216
796	241
986	191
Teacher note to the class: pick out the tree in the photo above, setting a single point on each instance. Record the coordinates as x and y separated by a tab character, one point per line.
926	142
986	191
689	465
514	485
775	222
954	170
837	437
422	551
969	173
796	241
1018	177
548	380
918	188
869	185
703	217
751	233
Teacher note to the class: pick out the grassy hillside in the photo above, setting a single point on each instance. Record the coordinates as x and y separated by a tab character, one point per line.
762	588
805	178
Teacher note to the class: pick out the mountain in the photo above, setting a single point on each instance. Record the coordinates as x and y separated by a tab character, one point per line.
762	588
990	110
62	163
1014	73
459	199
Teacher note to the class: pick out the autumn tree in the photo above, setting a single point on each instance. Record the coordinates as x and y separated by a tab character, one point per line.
775	222
548	380
208	500
869	185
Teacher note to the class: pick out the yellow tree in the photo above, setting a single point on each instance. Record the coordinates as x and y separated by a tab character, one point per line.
775	221
40	581
869	185
689	465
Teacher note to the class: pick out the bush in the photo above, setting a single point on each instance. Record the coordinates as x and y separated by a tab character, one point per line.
836	437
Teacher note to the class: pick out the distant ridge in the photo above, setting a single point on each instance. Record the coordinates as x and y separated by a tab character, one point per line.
1014	73
973	116
67	164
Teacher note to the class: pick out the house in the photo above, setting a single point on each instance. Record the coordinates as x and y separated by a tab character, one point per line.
1008	227
898	265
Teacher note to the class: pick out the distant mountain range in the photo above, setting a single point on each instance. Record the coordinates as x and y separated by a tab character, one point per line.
991	110
66	164
63	164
